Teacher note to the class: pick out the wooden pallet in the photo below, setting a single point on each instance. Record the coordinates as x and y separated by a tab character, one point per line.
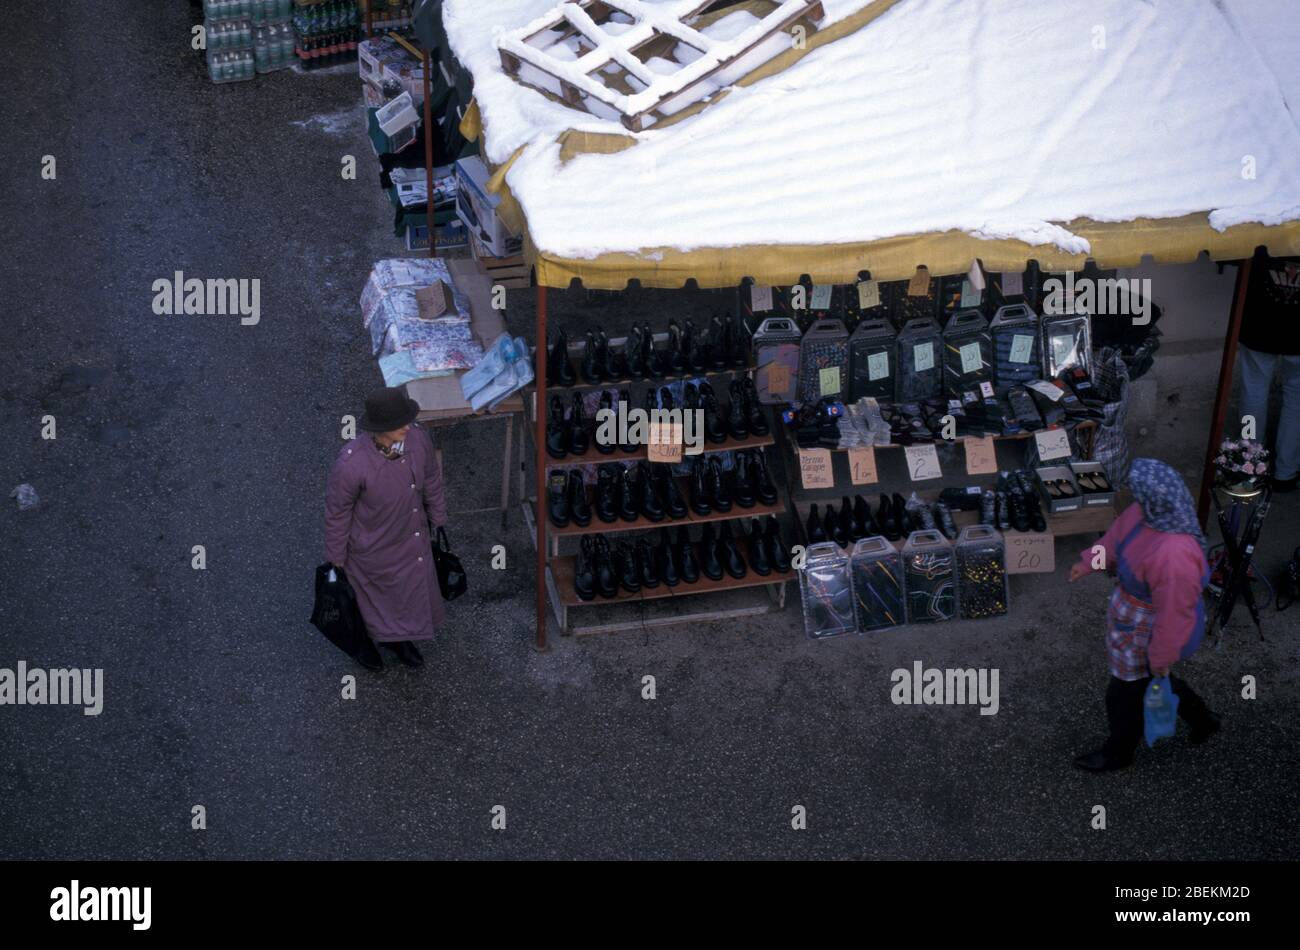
611	72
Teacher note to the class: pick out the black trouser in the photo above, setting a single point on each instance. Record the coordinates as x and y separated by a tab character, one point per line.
1125	715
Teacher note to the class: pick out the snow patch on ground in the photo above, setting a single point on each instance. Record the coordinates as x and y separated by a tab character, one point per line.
334	123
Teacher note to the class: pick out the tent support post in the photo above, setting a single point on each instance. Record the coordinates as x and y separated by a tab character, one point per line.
1225	388
428	156
539	441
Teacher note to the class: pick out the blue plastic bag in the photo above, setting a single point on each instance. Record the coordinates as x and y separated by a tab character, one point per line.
1160	709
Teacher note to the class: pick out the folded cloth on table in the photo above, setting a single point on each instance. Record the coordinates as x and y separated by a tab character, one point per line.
405	274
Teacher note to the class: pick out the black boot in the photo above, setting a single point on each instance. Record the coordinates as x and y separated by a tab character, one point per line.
889	525
943	516
666	399
738	351
667	559
729	553
676	357
737	423
743	481
584	577
605	446
754	412
602	564
557	430
557	500
763	485
606	496
654	361
816	533
758	550
579	510
628	574
694	351
845	519
590	361
718	340
614	364
666	486
625	401
559	371
700	487
579	437
719	490
862	514
776	549
904	521
715	430
635	347
369	656
831	526
710	564
688	564
627	506
649	563
406	652
650	506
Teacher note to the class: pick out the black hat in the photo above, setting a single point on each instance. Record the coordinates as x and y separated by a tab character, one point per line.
388	409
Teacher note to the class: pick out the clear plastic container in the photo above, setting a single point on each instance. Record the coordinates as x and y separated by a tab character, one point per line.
826	589
824	361
929	578
920	361
1067	343
1016	347
872	359
967	353
981	573
877	569
776	360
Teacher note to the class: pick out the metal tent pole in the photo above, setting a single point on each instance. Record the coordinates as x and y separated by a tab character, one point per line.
1225	388
540	513
428	155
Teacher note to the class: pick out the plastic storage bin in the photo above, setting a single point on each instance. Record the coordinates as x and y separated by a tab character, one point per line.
826	589
967	353
981	573
929	578
877	569
920	361
1016	348
776	356
872	359
824	361
1067	343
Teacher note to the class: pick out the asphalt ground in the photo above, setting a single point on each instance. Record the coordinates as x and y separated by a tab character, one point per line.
174	431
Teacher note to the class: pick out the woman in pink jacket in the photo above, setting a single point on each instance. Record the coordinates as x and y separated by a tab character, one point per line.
1157	614
383	500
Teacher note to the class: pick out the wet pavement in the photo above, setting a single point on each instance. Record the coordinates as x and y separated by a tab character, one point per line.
176	431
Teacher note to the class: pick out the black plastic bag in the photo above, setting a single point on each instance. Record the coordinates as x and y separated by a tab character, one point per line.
451	574
335	612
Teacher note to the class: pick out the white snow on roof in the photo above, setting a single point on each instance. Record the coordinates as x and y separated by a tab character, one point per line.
1274	30
1000	118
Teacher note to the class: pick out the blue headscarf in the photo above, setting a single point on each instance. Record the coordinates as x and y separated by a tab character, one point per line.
1166	503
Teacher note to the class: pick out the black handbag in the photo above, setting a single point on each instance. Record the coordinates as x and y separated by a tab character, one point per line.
336	613
451	573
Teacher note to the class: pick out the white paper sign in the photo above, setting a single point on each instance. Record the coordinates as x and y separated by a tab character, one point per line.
1062	348
1044	388
922	462
877	366
1052	444
760	295
1013	283
868	294
976	276
923	356
1022	347
970	297
971	361
821	296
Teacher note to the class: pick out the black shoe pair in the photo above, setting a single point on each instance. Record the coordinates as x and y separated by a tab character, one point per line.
559	371
567	500
892	517
745	414
751	480
767	551
594	569
600	362
719	553
715	427
571	435
710	486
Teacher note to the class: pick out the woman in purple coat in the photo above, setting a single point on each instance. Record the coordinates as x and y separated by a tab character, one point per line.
383	500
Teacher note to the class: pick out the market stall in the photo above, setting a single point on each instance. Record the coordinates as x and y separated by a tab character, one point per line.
882	150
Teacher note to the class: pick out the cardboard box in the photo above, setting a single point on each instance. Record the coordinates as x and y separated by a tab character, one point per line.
435	301
476	207
1093	499
1056	505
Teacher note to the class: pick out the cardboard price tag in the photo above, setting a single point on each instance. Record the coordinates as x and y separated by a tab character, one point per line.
862	465
868	294
922	462
760	297
815	468
821	296
970	295
778	378
1013	283
981	456
665	443
1030	553
975	276
919	286
1052	444
828	381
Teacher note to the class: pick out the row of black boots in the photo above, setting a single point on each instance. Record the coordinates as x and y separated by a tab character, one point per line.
1013	505
644	564
723	343
895	519
573	434
649	490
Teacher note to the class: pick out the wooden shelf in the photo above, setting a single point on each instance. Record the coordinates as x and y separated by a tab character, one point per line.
592	457
597	526
562	569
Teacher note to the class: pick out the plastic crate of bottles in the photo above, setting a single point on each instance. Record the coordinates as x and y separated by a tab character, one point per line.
327	32
230	65
273	46
257	10
224	36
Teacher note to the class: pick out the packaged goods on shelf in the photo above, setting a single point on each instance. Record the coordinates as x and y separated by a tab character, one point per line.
826	590
929	578
877	569
823	360
1015	346
981	573
872	359
967	353
920	360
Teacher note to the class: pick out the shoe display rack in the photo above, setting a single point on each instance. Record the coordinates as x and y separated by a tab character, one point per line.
701	528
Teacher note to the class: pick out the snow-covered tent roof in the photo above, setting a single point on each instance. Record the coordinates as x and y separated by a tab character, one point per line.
920	132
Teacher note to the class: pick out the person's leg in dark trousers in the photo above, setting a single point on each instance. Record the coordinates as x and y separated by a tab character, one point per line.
1124	714
1193	711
